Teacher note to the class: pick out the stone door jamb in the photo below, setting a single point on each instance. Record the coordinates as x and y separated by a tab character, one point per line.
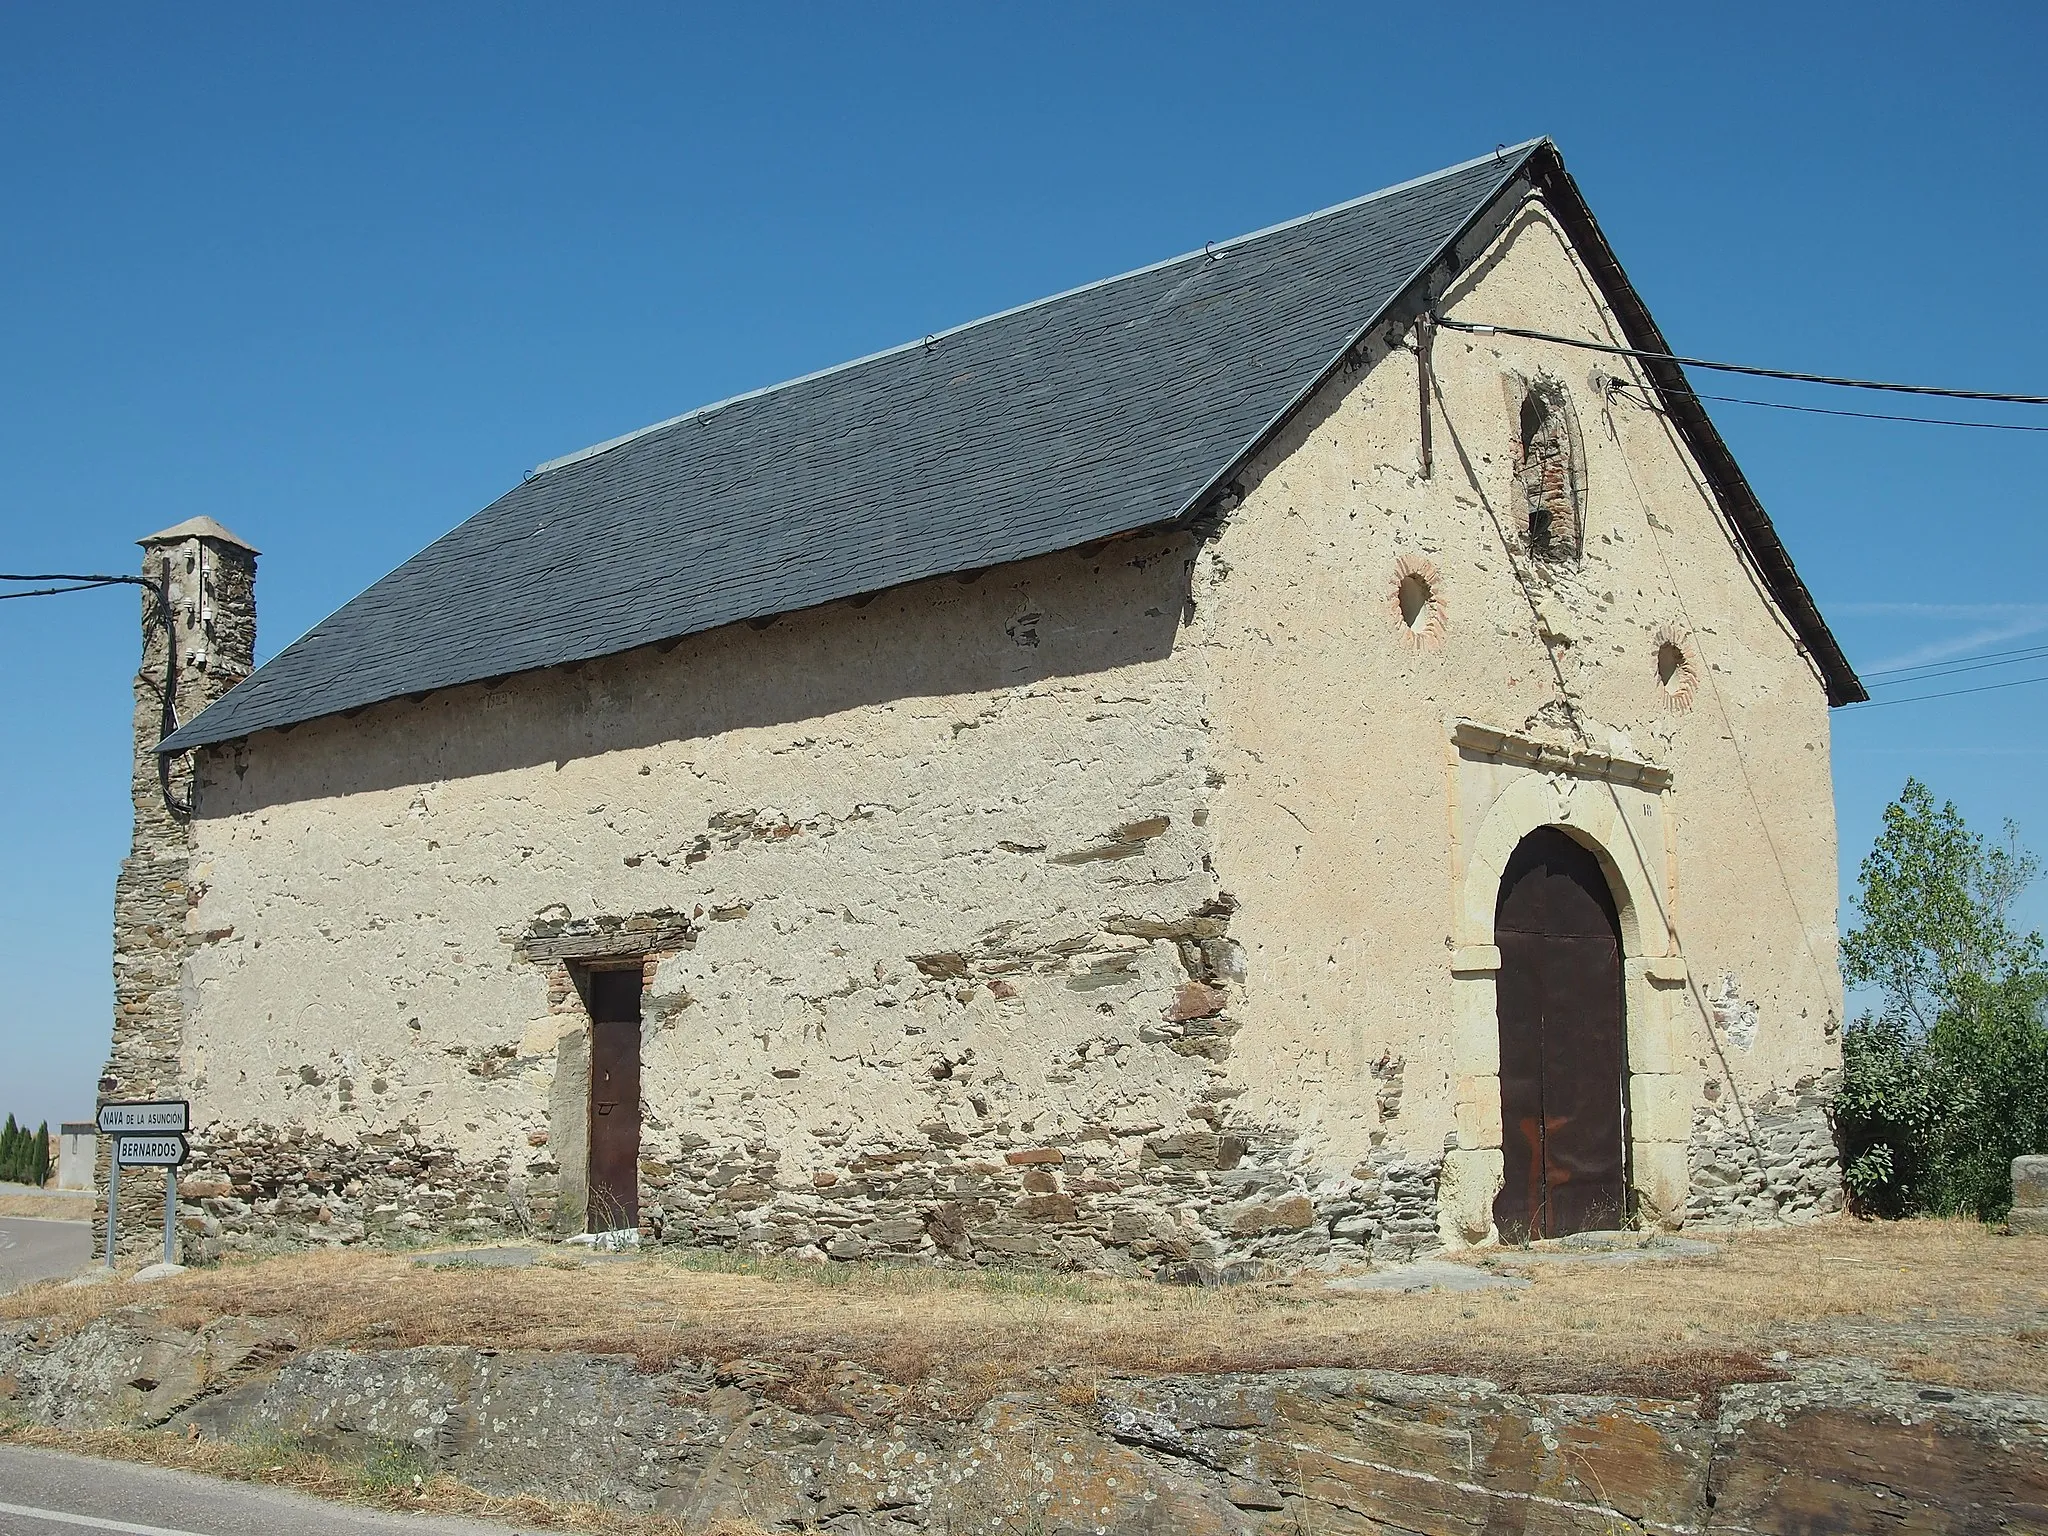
566	951
1592	797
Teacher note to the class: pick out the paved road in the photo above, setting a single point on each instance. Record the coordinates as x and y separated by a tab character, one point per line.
31	1249
49	1493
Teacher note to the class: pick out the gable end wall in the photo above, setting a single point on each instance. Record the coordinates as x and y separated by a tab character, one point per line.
1351	820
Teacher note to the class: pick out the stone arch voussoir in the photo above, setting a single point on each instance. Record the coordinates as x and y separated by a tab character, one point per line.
1585	809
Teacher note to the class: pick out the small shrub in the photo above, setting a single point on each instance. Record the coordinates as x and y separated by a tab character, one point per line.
391	1467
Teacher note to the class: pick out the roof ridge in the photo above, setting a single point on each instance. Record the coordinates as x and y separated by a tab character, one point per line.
1498	155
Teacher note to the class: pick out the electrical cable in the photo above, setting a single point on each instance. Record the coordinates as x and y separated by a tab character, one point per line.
1708	1017
56	591
84	583
1976	666
1761	373
1822	410
1955	661
161	604
1949	693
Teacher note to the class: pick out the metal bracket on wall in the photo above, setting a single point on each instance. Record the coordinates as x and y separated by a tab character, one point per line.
1425	336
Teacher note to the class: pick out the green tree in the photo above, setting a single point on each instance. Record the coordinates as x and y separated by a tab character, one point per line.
24	1156
1947	1081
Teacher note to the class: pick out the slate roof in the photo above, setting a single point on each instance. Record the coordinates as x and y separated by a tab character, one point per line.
1106	409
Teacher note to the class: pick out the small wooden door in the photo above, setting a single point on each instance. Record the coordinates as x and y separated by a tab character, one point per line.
614	1100
1563	1083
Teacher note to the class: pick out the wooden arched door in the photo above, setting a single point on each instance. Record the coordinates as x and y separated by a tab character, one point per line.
1563	1067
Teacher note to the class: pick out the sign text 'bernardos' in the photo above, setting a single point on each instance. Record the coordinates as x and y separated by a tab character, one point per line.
150	1151
161	1117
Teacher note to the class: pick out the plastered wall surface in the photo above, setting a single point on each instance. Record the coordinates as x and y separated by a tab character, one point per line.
933	856
1122	907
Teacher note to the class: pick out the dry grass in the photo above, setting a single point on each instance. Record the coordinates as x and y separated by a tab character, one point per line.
395	1480
1948	1301
67	1206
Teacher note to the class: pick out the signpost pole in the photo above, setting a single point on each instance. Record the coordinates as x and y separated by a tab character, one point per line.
157	1128
113	1197
170	1212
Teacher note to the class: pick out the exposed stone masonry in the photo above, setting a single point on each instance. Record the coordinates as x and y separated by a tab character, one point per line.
254	1186
1799	1175
1195	1205
199	636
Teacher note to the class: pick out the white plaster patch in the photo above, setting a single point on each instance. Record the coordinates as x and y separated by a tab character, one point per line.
1734	1015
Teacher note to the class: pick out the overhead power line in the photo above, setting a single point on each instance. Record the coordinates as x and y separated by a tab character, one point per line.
1947	693
79	583
1756	372
1906	677
1822	410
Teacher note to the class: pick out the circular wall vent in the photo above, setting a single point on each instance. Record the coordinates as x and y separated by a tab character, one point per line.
1677	669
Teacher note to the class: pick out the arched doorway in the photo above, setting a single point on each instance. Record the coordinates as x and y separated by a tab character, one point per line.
1563	1064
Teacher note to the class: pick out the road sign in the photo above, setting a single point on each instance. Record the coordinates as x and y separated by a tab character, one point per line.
160	1117
149	1151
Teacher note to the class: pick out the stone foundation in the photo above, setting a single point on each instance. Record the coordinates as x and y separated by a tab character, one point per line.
1205	1200
1197	1204
259	1187
1776	1163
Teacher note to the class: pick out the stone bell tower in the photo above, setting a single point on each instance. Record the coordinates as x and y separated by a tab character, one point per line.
198	641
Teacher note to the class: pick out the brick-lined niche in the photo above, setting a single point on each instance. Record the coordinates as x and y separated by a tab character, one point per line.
1549	502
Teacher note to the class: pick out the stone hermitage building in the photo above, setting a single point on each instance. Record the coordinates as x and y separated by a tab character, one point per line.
1221	767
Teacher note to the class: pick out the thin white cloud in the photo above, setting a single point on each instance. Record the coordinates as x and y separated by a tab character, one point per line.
1942	610
1991	626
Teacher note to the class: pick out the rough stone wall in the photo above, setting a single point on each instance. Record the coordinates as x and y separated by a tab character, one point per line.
198	637
1097	910
1769	1160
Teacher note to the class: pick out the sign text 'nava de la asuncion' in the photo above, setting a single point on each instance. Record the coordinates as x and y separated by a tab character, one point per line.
163	1117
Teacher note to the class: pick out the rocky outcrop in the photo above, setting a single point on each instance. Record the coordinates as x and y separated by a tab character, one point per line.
1833	1447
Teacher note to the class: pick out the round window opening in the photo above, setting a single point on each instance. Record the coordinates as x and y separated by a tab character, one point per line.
1415	594
1671	668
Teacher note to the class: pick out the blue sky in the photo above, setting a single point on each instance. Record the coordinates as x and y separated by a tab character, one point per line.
337	276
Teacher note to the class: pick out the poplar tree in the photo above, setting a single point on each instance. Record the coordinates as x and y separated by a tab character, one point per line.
1945	1082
